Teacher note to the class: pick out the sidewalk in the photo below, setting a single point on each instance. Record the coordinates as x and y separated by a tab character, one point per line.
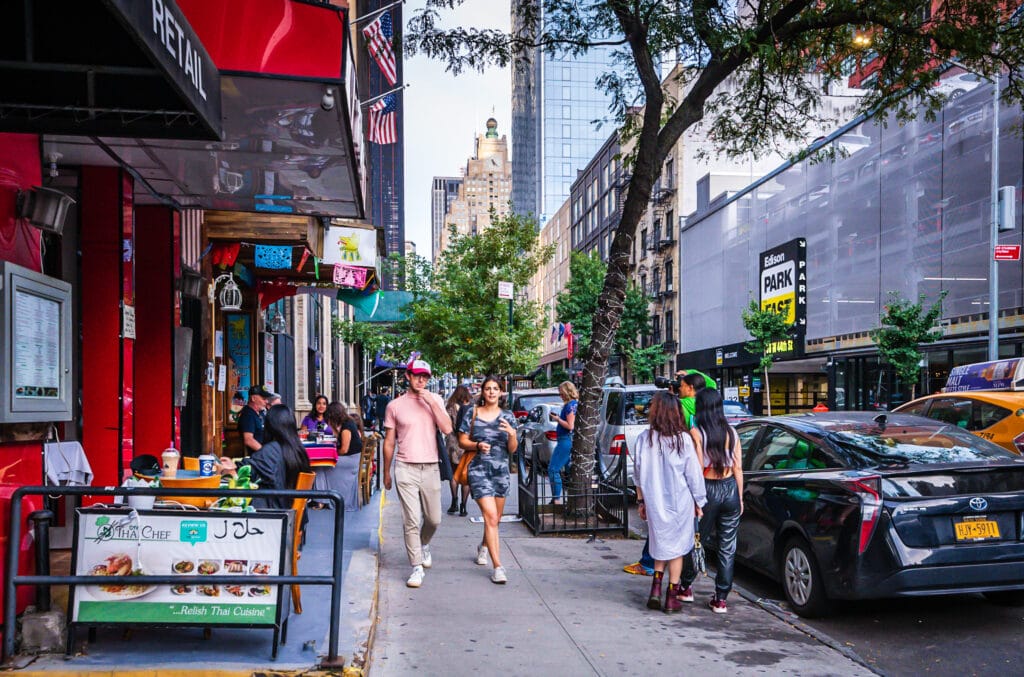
171	651
567	609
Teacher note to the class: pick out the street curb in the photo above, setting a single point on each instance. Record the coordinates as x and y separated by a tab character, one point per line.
359	666
792	619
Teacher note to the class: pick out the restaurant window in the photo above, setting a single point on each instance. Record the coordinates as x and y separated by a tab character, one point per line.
315	354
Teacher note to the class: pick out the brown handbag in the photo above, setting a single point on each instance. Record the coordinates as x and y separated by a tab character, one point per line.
461	474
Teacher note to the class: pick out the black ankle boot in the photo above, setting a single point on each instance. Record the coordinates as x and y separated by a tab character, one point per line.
455	506
462	510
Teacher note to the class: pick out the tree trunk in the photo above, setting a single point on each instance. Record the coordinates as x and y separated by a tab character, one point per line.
767	391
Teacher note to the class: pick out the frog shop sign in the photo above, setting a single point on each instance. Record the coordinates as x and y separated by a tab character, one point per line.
124	545
783	289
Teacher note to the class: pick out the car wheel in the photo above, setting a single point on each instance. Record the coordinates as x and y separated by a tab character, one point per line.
1005	597
801	579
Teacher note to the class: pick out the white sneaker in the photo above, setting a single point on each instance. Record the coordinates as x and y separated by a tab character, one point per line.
416	578
428	561
481	555
499	576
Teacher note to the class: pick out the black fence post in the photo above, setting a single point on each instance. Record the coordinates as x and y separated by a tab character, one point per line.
41	530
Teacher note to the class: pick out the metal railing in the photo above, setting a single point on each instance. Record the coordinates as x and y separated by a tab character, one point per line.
600	506
12	579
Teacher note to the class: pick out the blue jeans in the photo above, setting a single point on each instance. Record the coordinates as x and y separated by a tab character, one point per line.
559	459
645	557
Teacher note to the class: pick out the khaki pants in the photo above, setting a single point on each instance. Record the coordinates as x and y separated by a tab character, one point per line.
419	492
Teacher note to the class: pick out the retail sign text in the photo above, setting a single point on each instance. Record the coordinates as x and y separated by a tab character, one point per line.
783	290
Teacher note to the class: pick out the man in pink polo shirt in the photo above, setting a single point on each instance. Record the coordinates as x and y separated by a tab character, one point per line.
413	421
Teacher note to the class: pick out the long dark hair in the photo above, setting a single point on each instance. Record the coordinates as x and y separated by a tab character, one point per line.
460	396
313	414
280	428
710	419
335	417
666	418
358	420
488	379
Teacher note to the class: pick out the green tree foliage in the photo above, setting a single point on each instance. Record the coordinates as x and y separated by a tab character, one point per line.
462	326
578	303
410	273
643	361
766	327
904	327
746	82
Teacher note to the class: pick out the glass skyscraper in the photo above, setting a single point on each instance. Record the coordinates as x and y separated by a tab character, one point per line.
554	104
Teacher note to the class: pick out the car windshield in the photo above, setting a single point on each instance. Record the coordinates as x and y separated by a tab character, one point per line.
735	410
918	445
637	406
528	402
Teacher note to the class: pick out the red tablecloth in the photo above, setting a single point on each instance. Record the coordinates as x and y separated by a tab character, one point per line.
321	455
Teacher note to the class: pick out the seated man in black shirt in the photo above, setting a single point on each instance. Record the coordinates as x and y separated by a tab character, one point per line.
250	421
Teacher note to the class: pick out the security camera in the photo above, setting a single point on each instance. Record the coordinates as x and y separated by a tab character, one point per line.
327	102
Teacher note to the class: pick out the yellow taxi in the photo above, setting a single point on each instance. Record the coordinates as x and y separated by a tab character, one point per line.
985	398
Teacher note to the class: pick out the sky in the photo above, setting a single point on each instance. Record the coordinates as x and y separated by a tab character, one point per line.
444	113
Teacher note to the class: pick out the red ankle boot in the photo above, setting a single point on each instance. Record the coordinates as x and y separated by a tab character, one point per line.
654	599
672	602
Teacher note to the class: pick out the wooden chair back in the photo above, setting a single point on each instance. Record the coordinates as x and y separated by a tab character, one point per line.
366	461
304	482
189	463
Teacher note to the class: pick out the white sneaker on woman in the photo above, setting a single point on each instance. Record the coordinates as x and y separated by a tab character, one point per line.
498	576
416	578
481	555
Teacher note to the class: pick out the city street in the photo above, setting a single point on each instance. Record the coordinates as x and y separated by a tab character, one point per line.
949	635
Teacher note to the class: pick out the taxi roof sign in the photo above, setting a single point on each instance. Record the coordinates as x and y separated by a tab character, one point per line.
997	375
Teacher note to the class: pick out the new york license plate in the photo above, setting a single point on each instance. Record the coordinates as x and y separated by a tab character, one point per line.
976	529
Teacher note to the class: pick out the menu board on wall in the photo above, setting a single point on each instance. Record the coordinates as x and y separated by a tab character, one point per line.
121	544
36	337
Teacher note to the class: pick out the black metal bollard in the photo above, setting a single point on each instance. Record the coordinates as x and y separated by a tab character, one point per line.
41	520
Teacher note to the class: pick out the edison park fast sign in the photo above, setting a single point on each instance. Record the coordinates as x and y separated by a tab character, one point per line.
783	288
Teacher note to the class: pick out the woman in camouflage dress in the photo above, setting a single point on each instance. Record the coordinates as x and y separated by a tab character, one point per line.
489	431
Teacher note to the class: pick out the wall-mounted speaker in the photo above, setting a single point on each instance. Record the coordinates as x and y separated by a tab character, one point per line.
45	208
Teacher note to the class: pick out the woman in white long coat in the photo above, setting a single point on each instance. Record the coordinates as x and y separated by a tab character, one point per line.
670	489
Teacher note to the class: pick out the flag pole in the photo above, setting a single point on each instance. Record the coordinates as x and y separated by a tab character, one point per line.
379	10
372	99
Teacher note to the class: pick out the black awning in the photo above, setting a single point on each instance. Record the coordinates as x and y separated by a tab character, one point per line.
106	67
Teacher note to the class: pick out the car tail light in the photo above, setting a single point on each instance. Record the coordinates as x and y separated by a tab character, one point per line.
552	435
618	447
1018	442
868	489
521	415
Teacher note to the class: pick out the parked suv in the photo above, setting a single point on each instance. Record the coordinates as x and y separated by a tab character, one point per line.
538	435
623	417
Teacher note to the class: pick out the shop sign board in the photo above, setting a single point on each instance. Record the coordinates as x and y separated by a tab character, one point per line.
783	289
1007	252
155	542
161	28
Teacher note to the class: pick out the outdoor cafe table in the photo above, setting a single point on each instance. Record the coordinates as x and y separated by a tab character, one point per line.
340	473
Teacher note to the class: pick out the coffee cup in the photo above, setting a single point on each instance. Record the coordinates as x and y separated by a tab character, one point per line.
170	459
207	464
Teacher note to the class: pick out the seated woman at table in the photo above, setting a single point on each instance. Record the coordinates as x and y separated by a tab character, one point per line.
344	476
278	463
316	419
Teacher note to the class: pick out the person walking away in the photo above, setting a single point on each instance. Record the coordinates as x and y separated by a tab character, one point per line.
566	424
315	420
412	421
669	486
344	476
689	383
367	406
491	433
718	447
380	404
252	417
277	464
455	405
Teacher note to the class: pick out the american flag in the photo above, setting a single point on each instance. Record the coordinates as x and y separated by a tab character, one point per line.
378	42
383	125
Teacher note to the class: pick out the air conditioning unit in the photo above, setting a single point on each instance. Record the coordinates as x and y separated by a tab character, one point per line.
45	208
